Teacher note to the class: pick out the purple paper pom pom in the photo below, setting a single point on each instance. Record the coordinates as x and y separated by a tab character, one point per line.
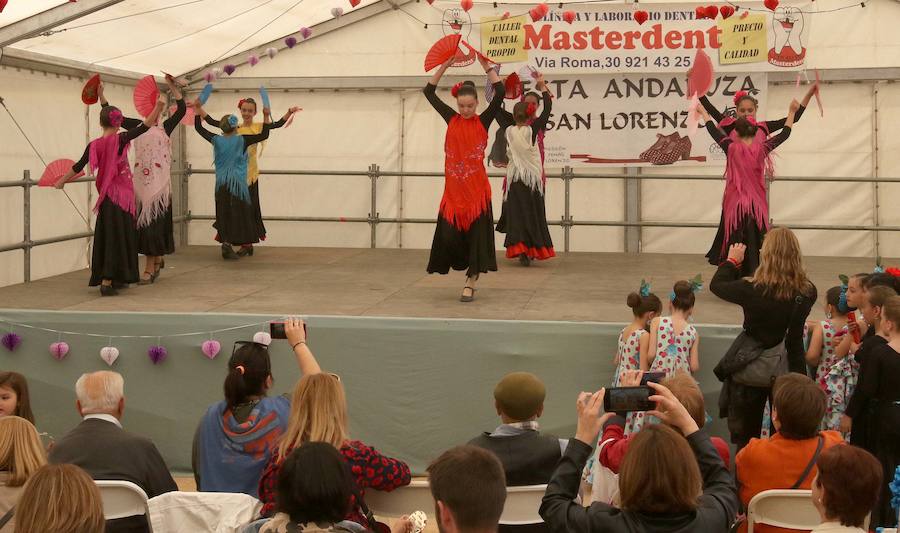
229	69
253	60
291	42
305	32
157	354
11	341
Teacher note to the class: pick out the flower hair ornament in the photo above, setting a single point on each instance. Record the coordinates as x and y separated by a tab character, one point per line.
842	302
115	118
241	102
455	90
531	109
894	271
696	283
232	121
645	289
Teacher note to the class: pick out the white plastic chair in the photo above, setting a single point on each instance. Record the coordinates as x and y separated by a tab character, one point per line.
122	499
787	508
401	501
522	505
214	512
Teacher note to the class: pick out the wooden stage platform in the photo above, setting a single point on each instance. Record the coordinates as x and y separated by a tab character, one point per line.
390	282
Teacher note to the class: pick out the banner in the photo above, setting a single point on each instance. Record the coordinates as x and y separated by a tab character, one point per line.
606	38
636	119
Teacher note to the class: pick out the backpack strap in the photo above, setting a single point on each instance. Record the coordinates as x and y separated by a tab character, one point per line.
7	517
812	463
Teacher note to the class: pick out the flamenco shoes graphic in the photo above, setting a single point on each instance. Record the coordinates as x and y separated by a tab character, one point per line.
787	27
667	149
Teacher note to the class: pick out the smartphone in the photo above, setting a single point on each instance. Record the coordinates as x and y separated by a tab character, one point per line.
276	330
655	377
851	317
619	399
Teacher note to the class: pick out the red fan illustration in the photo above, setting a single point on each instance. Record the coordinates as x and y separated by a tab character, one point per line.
700	76
188	119
55	170
146	94
89	93
513	87
442	51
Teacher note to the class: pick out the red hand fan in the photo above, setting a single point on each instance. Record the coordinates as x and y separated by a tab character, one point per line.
701	75
188	119
513	87
2	5
89	93
442	51
56	170
146	94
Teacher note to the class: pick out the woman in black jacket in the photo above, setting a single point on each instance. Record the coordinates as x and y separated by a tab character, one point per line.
776	302
664	487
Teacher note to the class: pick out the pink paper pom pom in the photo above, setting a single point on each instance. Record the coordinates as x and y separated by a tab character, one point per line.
109	354
209	77
336	12
305	32
211	349
261	337
59	350
290	42
157	354
229	69
271	52
11	341
253	60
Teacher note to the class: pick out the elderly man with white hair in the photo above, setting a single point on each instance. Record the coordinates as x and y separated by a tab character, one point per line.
101	447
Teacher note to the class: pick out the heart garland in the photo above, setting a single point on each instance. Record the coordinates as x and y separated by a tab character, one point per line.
109	354
211	349
11	341
253	60
466	4
726	11
157	354
640	16
569	16
771	4
538	12
262	337
59	350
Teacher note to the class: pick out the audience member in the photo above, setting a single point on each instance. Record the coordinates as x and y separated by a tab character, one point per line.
528	457
845	489
21	455
668	482
469	490
685	390
14	399
319	414
776	302
232	442
60	499
786	460
105	450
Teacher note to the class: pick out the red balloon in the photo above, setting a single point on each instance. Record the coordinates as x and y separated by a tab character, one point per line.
771	4
355	3
726	11
700	12
569	16
3	4
466	4
641	16
536	13
712	12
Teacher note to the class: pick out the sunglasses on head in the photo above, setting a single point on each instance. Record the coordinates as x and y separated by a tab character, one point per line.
241	344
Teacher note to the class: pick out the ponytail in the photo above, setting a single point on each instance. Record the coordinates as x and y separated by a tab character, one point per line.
248	371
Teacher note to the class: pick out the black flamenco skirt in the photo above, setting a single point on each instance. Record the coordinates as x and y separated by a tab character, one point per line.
471	250
158	237
235	219
115	255
524	221
254	199
747	233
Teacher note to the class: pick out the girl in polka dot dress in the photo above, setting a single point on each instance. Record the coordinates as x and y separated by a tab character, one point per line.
634	340
674	343
828	352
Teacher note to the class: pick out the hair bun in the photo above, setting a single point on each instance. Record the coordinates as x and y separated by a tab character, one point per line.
634	300
468	83
682	288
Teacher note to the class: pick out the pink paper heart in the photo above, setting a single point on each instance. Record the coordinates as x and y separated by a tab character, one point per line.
271	52
211	349
109	354
262	337
305	32
59	350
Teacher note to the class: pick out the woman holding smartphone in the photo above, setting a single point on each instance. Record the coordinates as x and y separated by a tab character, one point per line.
227	447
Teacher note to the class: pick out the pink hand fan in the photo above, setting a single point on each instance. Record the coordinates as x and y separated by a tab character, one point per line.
442	51
56	170
701	75
146	94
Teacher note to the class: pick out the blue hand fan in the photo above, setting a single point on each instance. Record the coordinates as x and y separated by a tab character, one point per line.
264	96
207	91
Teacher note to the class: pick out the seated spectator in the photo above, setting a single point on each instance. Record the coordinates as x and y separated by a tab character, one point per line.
319	414
786	460
21	455
846	489
14	399
686	391
528	457
60	499
667	482
232	442
105	450
315	489
469	490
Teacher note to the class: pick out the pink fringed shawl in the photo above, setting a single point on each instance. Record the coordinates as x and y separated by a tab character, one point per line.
152	185
745	184
113	173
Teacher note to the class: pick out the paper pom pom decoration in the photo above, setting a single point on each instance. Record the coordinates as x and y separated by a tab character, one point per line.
109	354
711	12
206	93
640	16
157	354
262	337
726	11
305	32
513	86
229	69
466	4
188	119
209	77
569	16
11	341
59	350
505	15
441	51
290	42
264	96
354	3
253	60
211	349
336	12
271	52
419	521
55	170
89	92
538	12
701	75
146	94
771	4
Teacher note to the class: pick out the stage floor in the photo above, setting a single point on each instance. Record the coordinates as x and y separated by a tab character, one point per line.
391	282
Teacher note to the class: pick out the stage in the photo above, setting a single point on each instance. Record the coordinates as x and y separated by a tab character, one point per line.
393	283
